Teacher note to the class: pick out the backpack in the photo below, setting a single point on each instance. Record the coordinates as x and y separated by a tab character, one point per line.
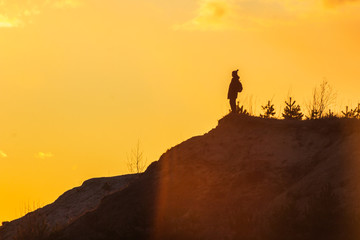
240	87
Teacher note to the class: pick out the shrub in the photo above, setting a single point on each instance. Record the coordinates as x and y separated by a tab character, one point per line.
269	110
322	97
292	111
241	110
352	113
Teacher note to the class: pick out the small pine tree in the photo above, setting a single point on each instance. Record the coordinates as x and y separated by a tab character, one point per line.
314	114
357	112
330	114
292	111
349	113
269	110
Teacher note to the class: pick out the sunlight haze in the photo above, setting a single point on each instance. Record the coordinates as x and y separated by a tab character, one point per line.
82	81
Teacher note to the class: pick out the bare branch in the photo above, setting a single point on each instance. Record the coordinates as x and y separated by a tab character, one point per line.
322	98
135	161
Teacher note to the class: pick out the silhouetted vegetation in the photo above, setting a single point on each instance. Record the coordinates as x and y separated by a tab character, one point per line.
241	110
269	110
357	111
292	111
330	114
318	107
351	113
322	97
135	161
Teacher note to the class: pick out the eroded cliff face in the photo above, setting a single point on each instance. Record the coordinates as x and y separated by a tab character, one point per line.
249	178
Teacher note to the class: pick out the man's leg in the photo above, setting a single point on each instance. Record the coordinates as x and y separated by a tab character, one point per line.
233	105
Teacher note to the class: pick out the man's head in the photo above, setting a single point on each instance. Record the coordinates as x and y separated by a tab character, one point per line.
235	73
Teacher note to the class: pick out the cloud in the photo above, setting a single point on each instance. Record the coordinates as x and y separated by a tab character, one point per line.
211	15
15	13
2	154
66	4
334	3
44	155
230	14
250	14
6	22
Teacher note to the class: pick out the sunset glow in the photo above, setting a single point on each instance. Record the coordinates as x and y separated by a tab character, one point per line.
81	82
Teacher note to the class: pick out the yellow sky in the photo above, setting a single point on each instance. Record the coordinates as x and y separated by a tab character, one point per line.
82	81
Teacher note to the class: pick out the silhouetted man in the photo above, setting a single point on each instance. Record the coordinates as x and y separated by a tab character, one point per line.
234	88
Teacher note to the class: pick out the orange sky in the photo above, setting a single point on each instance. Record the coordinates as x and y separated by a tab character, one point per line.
82	81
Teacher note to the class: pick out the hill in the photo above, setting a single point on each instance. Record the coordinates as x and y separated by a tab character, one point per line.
249	178
66	209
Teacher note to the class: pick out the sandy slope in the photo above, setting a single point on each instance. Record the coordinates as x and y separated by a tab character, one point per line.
248	178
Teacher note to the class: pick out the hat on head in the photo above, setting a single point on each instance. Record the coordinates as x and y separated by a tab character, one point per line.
235	73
